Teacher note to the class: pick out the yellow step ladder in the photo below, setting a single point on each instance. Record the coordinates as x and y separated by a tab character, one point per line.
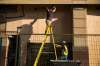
49	30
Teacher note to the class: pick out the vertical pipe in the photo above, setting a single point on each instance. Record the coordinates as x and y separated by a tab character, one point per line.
17	49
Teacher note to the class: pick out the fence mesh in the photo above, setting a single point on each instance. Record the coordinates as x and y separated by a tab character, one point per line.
82	47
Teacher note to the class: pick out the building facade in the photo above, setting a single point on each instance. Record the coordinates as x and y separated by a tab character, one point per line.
76	22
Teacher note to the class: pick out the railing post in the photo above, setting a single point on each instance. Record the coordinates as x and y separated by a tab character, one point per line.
17	47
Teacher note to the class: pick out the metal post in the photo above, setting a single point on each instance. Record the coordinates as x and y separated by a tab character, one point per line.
0	46
17	47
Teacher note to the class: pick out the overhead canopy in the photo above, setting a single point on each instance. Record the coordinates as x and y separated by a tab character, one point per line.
49	1
35	1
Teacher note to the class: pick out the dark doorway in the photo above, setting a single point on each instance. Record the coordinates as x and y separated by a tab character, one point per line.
12	50
0	46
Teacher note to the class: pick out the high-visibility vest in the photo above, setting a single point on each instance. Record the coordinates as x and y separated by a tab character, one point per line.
65	50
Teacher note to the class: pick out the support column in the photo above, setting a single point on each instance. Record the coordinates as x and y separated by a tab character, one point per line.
3	58
80	50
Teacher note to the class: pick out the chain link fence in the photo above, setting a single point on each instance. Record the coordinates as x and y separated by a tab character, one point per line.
82	47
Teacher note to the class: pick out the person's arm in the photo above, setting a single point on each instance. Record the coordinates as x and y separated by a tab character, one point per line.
54	9
47	9
65	50
58	46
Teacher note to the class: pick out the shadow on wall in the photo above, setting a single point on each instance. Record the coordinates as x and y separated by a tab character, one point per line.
94	12
25	33
81	54
63	16
63	24
15	12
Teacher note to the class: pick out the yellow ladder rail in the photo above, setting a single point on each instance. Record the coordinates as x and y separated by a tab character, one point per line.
49	29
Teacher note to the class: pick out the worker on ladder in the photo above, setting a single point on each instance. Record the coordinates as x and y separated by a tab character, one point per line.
50	15
49	21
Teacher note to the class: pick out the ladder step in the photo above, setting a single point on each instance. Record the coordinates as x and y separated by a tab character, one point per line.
48	52
48	49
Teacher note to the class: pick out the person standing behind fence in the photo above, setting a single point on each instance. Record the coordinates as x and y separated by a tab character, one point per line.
64	51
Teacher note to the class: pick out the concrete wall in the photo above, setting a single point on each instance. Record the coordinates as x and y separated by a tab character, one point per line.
93	25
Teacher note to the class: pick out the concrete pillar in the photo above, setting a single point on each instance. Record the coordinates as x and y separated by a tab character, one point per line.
3	58
4	51
80	49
